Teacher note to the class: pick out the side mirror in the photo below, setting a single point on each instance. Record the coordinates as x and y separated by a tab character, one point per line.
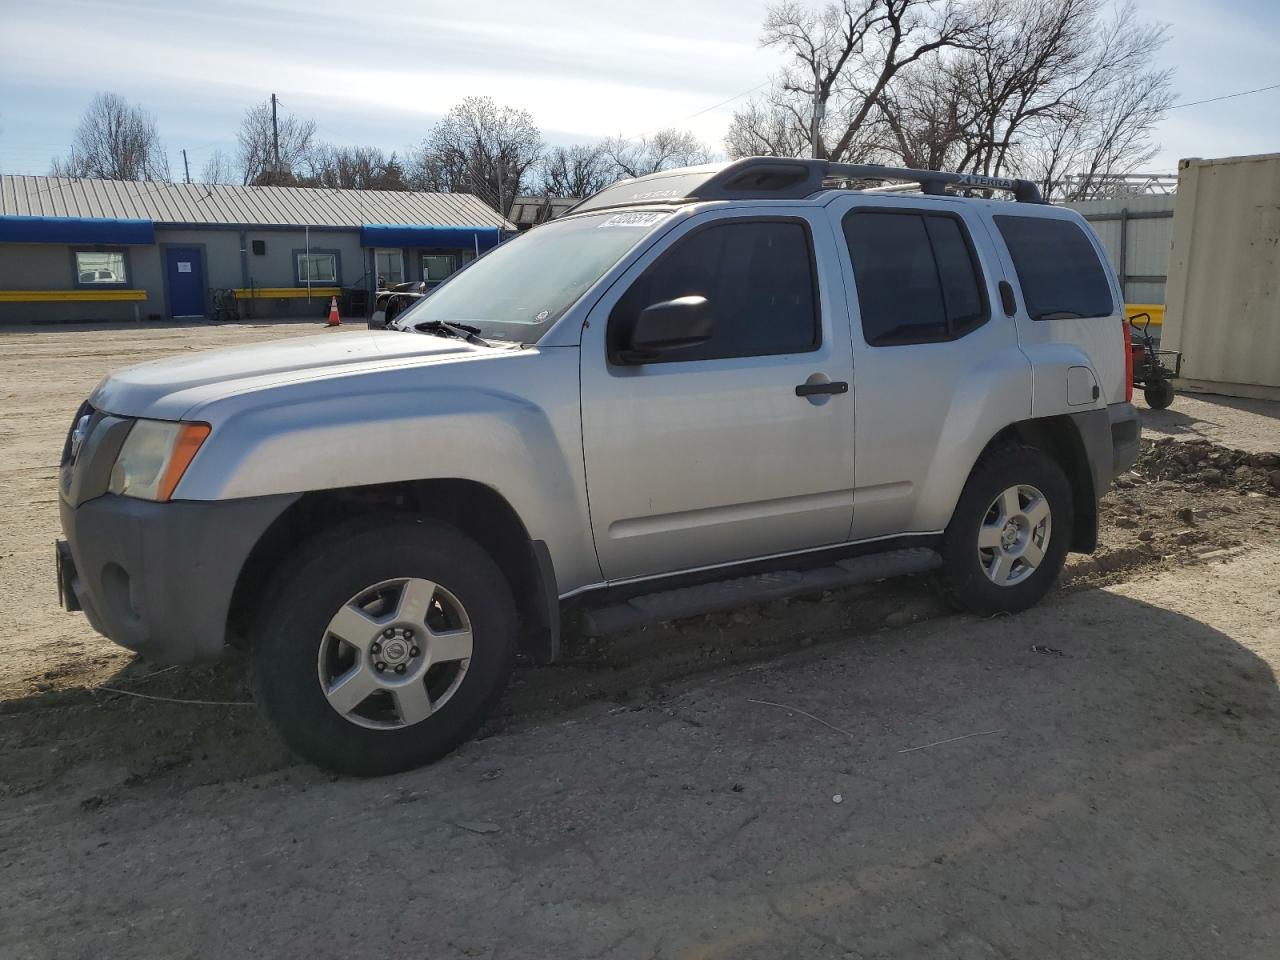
669	325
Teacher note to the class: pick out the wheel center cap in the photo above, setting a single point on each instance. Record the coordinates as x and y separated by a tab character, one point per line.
395	651
1009	535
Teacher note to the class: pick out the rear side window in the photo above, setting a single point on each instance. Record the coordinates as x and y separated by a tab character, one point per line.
917	278
1058	268
758	278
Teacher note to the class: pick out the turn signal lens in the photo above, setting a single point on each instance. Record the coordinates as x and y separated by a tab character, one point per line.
190	436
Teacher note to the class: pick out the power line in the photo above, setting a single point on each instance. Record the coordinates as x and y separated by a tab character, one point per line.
1226	96
714	106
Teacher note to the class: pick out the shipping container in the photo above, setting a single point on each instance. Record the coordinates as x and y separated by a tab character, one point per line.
1223	295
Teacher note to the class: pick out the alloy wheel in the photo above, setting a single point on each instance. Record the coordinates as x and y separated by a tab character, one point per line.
395	653
1014	535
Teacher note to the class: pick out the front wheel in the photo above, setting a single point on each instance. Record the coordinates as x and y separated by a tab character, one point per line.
1008	537
1158	394
384	646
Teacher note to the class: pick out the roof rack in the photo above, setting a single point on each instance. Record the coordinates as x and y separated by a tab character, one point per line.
774	178
935	182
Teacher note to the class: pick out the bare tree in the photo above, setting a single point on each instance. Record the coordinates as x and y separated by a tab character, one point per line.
218	169
1105	106
1052	90
767	127
481	148
662	150
115	140
256	153
576	171
841	59
1059	91
926	116
354	168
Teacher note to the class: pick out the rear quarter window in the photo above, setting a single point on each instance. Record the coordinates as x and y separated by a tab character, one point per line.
1058	269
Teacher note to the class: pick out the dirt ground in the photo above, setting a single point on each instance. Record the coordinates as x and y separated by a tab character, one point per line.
1230	421
1095	778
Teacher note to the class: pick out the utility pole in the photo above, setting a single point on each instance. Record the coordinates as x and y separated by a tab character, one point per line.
186	166
275	135
816	120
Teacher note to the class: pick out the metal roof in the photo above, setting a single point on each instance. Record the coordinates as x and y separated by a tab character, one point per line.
199	203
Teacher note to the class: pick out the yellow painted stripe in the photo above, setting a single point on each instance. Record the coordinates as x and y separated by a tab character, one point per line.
63	296
283	293
1155	309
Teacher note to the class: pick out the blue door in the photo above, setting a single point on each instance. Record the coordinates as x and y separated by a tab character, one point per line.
185	273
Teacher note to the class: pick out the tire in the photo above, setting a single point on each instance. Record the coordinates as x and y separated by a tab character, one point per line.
1158	394
397	606
976	548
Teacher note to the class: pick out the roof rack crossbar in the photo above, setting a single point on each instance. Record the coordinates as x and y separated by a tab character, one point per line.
935	182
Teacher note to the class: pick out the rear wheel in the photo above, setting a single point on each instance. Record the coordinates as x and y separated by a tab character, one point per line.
385	646
1009	535
1158	394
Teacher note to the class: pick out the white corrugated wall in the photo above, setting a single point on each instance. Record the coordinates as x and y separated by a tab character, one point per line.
1223	306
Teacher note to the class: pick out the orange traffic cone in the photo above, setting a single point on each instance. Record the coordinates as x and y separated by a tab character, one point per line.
334	320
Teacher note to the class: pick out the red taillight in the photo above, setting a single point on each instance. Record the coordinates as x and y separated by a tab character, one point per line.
1128	361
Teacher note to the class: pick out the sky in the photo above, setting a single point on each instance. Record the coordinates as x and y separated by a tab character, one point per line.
382	75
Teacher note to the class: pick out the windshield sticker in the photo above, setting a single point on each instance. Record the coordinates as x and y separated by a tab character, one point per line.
632	220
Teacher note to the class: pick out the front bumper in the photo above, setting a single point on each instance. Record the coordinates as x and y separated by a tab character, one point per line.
158	578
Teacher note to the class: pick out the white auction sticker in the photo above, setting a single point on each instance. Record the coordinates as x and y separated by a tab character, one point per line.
632	220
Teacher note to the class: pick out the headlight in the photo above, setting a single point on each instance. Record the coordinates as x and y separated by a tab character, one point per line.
154	457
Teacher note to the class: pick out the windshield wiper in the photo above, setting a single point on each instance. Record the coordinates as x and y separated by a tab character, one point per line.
463	331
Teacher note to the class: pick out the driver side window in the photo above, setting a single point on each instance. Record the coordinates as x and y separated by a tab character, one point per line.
759	281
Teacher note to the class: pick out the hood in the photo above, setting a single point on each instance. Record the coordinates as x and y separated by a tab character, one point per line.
167	389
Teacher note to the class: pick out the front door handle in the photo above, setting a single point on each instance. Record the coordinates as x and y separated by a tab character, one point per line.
814	389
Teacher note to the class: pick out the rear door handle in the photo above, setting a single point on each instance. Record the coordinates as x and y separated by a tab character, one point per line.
813	389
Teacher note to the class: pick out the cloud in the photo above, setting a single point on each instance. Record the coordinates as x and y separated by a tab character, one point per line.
381	75
589	70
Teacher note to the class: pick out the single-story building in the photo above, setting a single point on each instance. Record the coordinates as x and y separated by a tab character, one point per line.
74	249
528	212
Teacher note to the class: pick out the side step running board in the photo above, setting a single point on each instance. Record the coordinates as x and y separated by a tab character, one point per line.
742	591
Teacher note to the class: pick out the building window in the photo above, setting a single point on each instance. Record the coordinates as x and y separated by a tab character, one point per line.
317	267
101	267
435	267
389	265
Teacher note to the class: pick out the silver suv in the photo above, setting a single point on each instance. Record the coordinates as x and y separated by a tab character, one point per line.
704	388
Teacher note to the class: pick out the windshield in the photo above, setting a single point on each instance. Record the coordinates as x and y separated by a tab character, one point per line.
518	290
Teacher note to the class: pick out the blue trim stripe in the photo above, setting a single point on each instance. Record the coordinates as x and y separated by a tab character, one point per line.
449	238
75	230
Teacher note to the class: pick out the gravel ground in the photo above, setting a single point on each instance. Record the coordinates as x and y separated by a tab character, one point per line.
1095	778
1251	425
